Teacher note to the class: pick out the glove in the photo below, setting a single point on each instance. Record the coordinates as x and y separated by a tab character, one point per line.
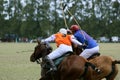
84	46
80	46
43	41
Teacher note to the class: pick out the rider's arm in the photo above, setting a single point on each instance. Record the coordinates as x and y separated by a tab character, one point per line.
75	41
49	39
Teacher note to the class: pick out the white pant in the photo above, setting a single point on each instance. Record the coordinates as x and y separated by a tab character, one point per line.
88	52
62	49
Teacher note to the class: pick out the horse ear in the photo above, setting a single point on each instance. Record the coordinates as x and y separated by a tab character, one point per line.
38	41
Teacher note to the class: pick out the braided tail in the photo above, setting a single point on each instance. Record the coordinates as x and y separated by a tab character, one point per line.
116	62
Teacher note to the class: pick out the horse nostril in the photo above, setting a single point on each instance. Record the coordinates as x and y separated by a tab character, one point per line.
32	59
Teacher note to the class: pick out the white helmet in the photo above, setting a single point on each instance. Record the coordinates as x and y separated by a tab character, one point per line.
63	31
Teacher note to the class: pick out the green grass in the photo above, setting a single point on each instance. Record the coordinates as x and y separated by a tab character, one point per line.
15	63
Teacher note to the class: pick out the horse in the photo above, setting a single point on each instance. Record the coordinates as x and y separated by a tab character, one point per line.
106	64
72	67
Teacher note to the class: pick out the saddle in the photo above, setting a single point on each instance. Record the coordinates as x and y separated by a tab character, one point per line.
58	60
94	55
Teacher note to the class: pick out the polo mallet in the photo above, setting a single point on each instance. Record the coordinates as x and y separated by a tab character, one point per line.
74	19
71	15
63	7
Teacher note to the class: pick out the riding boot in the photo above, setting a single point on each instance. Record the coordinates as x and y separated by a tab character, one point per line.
50	61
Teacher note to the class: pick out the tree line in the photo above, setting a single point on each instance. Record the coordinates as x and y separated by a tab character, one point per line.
41	18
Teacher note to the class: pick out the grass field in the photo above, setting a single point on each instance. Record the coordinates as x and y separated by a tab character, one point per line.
15	63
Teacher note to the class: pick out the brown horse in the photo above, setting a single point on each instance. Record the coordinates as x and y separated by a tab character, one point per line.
72	67
106	64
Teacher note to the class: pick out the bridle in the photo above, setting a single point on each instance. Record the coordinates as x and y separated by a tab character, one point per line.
38	61
47	46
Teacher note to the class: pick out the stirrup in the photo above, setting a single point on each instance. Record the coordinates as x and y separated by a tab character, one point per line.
54	69
50	71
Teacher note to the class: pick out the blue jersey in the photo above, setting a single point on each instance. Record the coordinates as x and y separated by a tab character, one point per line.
83	37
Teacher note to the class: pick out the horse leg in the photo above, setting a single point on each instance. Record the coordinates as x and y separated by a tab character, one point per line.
112	77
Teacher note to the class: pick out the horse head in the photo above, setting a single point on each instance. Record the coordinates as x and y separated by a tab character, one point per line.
40	51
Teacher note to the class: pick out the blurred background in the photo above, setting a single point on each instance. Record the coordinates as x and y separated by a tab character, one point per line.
26	20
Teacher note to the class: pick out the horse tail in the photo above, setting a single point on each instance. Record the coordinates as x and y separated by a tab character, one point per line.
116	62
93	67
113	67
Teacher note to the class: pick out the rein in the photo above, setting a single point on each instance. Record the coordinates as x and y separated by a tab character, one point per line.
47	45
39	61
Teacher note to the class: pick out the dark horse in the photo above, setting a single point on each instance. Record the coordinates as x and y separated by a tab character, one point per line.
72	67
106	64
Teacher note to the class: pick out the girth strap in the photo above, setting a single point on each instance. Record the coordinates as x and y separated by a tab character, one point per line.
85	70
